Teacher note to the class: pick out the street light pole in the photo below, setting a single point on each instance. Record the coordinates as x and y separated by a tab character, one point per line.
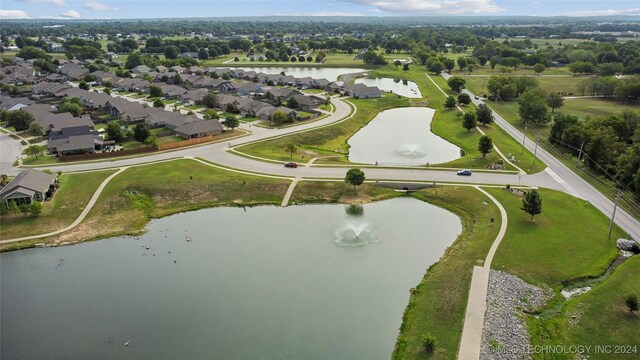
613	216
535	152
524	137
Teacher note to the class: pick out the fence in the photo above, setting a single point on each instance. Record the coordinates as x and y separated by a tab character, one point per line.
106	154
185	143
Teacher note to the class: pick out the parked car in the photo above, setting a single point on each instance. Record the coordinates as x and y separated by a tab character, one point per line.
291	165
477	97
464	172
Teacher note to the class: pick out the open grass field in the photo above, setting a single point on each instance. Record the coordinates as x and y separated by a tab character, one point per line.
556	248
144	192
437	305
557	84
65	206
522	70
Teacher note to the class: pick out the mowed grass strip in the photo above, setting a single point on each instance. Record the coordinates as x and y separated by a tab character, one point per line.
437	305
567	242
65	206
141	193
315	192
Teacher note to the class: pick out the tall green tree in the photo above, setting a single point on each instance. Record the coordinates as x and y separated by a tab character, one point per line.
155	91
355	177
210	100
231	121
484	114
532	203
448	64
533	107
114	131
19	119
141	132
469	121
485	145
291	148
450	103
554	101
456	83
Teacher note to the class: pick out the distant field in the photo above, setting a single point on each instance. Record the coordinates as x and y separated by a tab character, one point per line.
562	84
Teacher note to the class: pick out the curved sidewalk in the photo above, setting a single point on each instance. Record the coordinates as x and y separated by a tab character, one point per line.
77	222
477	303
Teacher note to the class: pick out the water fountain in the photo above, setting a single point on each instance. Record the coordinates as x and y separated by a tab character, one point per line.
410	151
355	231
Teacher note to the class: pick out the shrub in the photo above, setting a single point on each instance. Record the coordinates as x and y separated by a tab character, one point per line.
428	343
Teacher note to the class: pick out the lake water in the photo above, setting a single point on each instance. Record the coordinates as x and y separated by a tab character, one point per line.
410	89
401	136
255	283
328	73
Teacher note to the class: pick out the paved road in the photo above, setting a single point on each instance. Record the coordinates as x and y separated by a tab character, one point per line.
570	181
10	150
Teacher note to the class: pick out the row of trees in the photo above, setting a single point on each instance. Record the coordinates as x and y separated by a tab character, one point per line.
35	208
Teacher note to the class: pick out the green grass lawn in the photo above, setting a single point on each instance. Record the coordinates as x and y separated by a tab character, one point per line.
561	84
486	70
144	192
438	304
40	160
557	247
65	206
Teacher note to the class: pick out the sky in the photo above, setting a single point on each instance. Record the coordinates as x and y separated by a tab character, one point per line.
125	9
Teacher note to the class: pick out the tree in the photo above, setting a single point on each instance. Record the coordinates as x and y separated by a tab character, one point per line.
436	67
20	120
456	83
533	107
278	117
464	99
35	150
141	132
291	148
448	64
13	207
538	68
485	145
151	141
203	54
484	115
36	129
632	302
35	208
177	79
24	209
293	103
83	85
397	63
462	63
133	60
157	103
450	103
354	177
211	115
469	121
532	203
73	106
554	101
114	131
231	121
155	91
405	67
210	101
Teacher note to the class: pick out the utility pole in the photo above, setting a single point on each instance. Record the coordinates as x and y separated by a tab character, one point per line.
613	216
580	154
535	152
524	137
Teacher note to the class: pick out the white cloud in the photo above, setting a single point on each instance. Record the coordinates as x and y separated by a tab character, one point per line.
52	2
95	6
634	11
428	7
71	14
13	14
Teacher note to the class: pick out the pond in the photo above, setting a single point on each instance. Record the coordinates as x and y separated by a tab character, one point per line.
255	283
401	87
401	136
328	73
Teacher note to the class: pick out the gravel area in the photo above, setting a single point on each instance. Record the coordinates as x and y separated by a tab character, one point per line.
505	336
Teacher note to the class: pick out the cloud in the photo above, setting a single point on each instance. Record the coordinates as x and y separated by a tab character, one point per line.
634	11
71	14
13	14
429	7
52	2
95	6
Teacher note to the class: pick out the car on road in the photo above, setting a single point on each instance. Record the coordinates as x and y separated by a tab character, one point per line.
464	172
477	97
291	165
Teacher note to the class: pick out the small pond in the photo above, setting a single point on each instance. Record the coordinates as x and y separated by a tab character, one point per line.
302	282
328	73
401	87
401	136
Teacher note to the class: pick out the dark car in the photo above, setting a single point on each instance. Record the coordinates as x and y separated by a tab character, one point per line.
464	172
291	165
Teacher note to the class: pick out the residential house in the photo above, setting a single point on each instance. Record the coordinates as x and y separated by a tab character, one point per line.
29	185
74	140
199	128
56	122
194	96
362	91
17	103
141	69
266	112
172	91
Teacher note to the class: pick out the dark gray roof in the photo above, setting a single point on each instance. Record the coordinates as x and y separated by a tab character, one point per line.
199	127
31	179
